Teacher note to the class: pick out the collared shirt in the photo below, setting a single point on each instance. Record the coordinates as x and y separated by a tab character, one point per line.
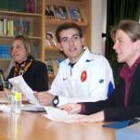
127	74
87	81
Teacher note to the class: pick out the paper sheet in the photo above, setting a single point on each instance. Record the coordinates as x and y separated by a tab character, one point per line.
5	108
58	115
33	108
3	101
24	88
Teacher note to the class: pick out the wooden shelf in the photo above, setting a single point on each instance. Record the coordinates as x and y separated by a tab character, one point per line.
19	14
40	24
51	49
11	37
56	22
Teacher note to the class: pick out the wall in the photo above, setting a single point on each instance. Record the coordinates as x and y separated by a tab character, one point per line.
98	25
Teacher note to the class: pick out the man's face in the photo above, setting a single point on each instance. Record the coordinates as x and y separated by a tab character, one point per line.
71	44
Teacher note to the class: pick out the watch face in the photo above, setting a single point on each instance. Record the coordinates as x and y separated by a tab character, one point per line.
55	101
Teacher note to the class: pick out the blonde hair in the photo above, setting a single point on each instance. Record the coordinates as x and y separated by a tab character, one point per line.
26	41
130	27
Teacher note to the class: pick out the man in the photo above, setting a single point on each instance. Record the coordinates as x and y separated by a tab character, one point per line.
83	76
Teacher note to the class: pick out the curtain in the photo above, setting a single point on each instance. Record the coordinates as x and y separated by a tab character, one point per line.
116	11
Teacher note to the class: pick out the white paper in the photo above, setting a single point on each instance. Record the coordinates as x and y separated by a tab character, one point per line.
58	115
3	101
5	108
24	88
31	107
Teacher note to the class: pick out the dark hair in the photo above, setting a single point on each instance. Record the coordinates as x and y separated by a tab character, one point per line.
68	25
49	34
130	27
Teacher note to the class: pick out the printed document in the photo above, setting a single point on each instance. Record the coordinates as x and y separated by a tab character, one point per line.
24	89
58	115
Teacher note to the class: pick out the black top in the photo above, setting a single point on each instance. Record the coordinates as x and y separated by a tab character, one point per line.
36	76
114	107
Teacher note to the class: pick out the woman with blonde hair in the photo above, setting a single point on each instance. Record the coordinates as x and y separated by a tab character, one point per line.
34	72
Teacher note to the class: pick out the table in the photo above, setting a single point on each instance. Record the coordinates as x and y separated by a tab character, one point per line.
34	126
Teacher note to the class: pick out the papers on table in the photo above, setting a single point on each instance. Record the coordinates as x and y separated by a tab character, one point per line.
58	115
24	88
3	101
5	108
33	108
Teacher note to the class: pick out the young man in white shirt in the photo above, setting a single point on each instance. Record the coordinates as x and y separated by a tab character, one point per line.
82	77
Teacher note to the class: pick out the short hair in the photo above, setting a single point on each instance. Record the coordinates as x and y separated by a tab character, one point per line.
49	34
130	27
68	25
26	41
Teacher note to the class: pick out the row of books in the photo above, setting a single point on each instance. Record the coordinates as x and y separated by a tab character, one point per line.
35	49
5	51
28	6
63	13
9	27
53	65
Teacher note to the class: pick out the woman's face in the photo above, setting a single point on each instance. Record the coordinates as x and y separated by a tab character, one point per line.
126	49
18	51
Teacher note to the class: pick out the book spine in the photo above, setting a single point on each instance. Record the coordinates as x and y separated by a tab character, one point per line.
1	27
4	26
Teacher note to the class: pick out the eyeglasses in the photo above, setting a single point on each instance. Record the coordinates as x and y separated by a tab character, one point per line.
74	38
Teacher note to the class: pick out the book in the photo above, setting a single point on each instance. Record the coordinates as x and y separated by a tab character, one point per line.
50	40
31	6
49	12
75	14
35	50
55	64
60	12
5	51
117	125
1	27
1	79
49	66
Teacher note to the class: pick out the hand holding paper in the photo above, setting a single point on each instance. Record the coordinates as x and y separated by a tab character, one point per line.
24	88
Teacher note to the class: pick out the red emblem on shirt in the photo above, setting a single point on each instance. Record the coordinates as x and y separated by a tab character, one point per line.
83	76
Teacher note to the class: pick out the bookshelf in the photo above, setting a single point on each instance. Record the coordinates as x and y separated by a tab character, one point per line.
55	19
24	17
35	23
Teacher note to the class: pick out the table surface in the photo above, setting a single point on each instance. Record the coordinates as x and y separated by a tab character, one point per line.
34	126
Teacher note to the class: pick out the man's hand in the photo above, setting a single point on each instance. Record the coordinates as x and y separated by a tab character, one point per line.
44	98
2	94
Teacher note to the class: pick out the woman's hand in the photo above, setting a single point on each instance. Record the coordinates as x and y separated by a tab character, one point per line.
71	108
96	117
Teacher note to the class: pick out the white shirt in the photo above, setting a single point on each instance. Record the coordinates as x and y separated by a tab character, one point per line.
87	81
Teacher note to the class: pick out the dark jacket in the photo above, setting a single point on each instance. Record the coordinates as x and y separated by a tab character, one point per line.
113	107
36	76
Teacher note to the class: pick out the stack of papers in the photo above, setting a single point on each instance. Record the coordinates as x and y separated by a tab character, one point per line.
3	101
5	108
33	108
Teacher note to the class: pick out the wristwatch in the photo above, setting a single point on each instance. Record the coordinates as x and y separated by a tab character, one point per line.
55	101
